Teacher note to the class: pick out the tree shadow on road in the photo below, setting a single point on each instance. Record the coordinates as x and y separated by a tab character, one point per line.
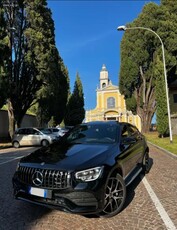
23	214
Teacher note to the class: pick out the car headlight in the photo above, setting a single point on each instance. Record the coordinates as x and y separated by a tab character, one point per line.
89	174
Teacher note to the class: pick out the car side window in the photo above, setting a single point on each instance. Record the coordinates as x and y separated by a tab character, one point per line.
29	131
36	132
133	130
124	132
33	132
18	131
21	131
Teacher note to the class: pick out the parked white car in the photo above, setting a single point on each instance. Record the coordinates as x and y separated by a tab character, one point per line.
32	137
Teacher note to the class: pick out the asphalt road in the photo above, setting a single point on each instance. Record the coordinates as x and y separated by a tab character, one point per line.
151	202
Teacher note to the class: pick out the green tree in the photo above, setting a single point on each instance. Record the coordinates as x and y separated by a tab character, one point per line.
75	112
4	51
35	60
51	98
52	123
136	80
161	112
168	32
138	51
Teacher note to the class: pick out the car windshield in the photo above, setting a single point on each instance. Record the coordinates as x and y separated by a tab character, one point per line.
93	133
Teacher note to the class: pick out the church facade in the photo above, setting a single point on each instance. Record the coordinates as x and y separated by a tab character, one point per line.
110	104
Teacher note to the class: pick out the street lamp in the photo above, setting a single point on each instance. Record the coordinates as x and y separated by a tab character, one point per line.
124	28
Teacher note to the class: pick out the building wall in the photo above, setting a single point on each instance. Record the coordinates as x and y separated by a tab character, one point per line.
28	121
173	106
174	124
173	102
4	123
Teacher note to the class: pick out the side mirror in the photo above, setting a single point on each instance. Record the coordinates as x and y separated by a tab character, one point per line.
128	141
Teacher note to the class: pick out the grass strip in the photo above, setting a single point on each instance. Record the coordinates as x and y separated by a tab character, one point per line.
163	142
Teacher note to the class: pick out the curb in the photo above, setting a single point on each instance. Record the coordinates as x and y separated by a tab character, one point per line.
5	146
164	150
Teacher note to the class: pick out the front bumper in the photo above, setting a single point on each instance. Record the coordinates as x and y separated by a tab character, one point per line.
84	198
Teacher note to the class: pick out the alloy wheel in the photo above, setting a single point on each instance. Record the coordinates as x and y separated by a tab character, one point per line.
115	195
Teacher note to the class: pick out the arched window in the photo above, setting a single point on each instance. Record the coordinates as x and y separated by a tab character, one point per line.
111	102
103	85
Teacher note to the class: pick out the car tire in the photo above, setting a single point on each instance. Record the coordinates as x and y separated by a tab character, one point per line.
146	163
45	143
16	144
115	195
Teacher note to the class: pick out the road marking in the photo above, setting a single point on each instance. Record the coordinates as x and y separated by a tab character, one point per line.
11	160
165	217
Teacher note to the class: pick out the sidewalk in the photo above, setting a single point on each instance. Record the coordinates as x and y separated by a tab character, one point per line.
5	145
166	151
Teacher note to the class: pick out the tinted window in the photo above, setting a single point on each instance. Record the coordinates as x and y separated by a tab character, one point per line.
128	130
55	130
132	130
124	132
21	131
34	132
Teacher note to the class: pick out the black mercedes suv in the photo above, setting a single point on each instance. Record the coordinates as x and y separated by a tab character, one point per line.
86	171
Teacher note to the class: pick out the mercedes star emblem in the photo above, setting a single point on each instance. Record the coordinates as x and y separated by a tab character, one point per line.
37	178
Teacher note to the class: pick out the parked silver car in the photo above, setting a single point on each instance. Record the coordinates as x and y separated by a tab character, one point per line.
32	136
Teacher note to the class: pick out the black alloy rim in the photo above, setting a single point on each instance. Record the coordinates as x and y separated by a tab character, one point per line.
114	195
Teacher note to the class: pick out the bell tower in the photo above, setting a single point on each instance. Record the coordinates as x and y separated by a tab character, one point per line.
104	80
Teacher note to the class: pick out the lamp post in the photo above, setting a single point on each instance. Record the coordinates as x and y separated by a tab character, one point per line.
124	28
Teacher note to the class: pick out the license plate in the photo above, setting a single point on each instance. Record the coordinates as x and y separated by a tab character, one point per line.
38	192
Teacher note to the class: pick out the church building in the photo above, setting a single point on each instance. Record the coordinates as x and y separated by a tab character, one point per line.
110	103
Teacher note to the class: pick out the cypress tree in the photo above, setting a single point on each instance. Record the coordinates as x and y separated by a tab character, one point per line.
161	112
4	58
75	112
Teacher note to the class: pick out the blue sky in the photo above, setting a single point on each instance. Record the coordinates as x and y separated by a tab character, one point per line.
87	37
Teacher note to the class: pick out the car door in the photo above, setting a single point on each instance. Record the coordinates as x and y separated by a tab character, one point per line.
34	136
129	147
139	145
22	136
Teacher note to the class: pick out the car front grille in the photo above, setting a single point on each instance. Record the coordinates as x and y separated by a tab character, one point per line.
50	178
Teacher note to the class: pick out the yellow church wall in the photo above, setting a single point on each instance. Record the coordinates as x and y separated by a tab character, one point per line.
119	113
99	100
111	113
111	94
122	101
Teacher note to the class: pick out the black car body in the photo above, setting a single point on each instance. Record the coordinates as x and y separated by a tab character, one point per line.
86	171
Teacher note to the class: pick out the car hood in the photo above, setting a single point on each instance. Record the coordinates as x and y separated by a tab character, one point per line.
70	157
